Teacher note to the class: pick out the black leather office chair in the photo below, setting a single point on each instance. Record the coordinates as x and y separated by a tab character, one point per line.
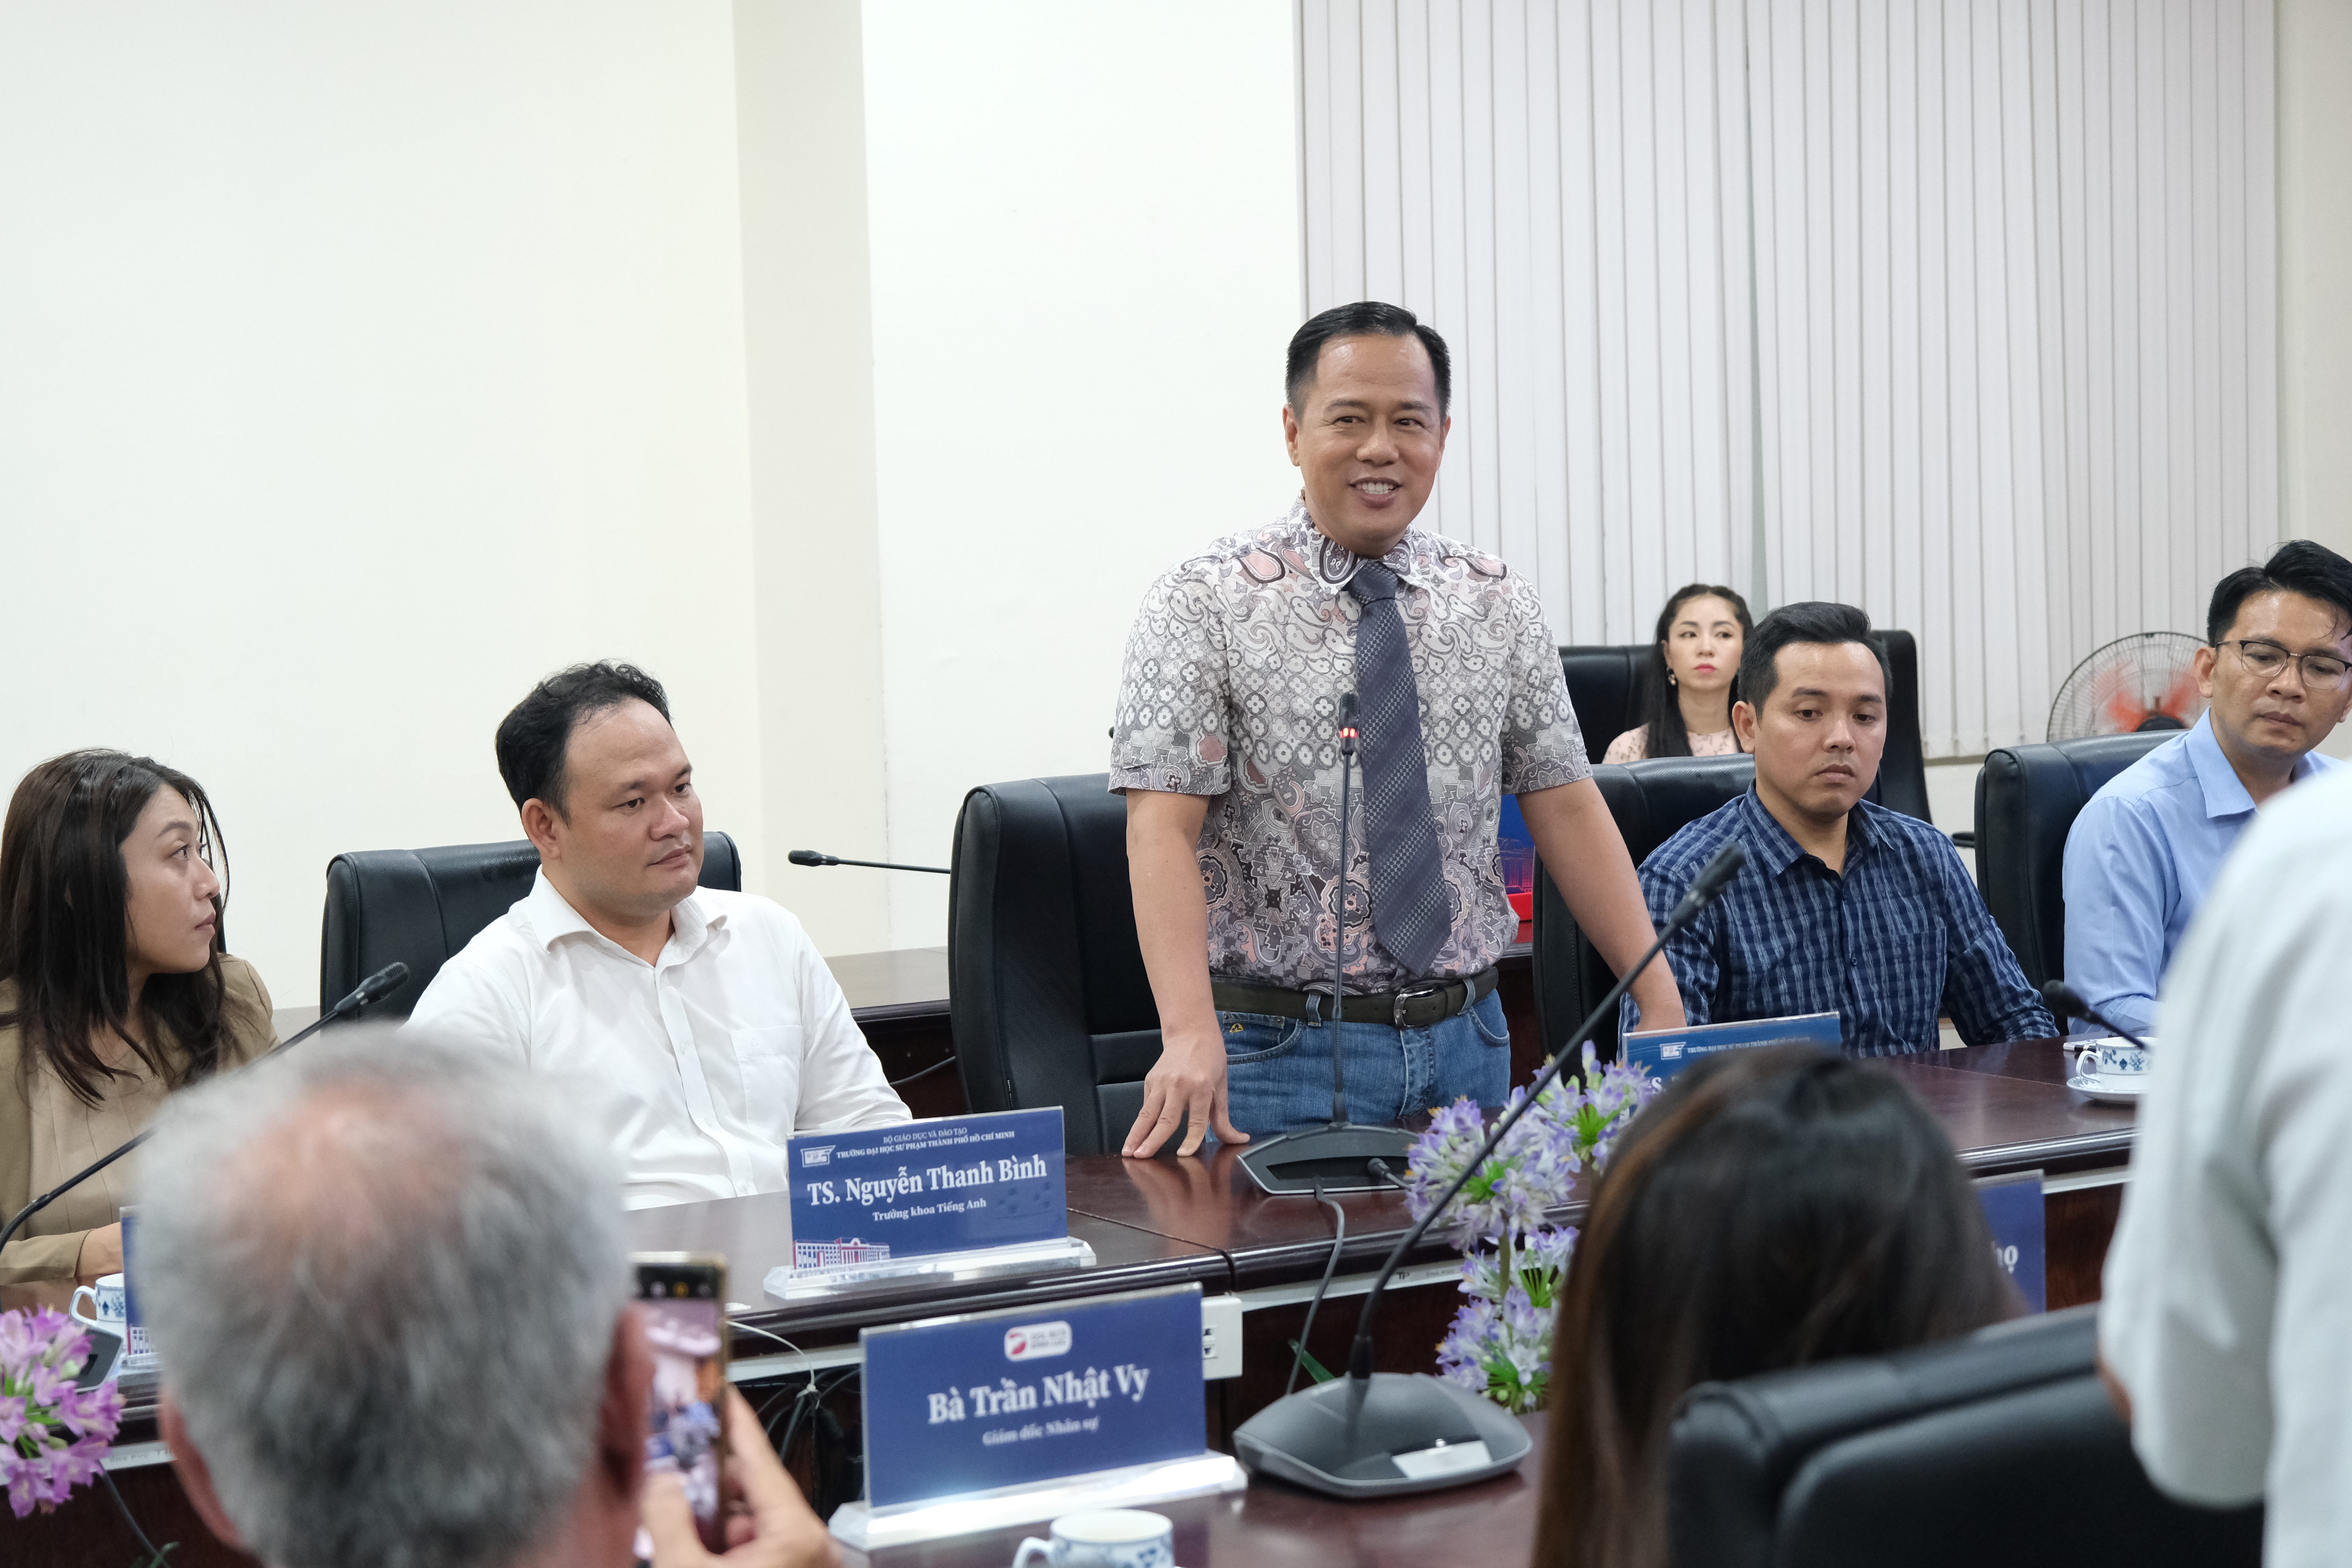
1605	684
421	906
1903	770
1046	991
1999	1446
2027	800
1650	801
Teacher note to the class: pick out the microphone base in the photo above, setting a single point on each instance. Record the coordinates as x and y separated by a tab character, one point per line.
1384	1436
1333	1156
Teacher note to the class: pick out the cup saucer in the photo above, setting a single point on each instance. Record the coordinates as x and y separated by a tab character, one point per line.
2109	1091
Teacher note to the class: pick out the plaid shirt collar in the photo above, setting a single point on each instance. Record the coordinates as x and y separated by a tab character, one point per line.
1776	849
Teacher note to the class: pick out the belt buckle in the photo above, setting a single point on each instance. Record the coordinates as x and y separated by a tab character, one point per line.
1413	993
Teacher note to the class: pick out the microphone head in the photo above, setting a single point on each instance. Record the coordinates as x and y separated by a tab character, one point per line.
384	982
1346	708
808	857
1720	868
2066	1001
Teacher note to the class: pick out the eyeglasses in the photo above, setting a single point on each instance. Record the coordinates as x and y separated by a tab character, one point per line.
2321	672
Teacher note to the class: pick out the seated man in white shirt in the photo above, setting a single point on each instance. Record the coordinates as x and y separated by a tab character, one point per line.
700	1026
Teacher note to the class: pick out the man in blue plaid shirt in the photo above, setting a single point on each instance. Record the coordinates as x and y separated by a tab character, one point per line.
1843	906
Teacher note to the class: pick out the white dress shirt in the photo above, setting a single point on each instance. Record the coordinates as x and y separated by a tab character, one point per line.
697	1065
2227	1294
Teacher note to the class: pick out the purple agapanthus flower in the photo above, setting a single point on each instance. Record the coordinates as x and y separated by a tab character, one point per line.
40	1351
1499	1342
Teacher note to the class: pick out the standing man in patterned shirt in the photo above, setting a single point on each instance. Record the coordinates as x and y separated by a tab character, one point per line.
1843	906
1226	746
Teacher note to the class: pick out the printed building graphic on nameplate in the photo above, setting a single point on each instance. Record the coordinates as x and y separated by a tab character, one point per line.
835	1254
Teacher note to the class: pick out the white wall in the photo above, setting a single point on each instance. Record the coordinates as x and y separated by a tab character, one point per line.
1086	267
2314	63
809	345
358	365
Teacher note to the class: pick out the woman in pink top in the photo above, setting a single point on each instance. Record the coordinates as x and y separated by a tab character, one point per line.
1686	687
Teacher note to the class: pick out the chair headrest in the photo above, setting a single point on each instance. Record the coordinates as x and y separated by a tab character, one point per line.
1654	800
1764	1427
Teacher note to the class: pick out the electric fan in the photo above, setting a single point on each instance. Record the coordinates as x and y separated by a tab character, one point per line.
2133	685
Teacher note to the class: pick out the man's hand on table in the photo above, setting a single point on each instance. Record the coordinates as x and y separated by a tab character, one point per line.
768	1524
1185	1088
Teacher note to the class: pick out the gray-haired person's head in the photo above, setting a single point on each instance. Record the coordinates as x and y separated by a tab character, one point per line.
383	1280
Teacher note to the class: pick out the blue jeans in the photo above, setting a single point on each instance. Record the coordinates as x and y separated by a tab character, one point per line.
1278	1070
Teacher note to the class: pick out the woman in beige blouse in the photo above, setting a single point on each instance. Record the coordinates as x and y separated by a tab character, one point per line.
115	990
1685	696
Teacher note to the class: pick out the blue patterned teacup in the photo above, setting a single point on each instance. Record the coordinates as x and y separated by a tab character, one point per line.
2114	1059
1103	1538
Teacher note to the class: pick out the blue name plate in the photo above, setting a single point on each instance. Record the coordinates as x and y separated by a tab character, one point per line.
2012	1210
920	1187
1032	1395
1662	1053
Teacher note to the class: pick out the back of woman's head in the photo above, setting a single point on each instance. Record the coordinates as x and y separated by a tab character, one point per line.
64	940
1771	1208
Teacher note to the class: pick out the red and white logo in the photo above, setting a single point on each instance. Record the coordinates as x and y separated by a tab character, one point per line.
1031	1341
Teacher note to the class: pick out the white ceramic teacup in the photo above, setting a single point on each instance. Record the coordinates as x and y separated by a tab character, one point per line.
1103	1538
108	1303
2112	1058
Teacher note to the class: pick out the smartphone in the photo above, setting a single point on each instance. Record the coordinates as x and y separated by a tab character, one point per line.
683	1297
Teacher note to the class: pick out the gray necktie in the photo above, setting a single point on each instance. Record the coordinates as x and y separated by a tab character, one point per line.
1407	880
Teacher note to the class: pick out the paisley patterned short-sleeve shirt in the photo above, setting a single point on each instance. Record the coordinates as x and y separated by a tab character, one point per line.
1232	691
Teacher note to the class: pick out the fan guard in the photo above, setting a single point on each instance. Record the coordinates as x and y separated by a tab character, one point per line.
2138	683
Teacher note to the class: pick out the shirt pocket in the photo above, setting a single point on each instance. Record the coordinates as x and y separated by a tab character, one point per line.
769	1060
1903	963
1774	969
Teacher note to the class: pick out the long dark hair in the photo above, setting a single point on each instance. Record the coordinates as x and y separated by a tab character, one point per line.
64	894
1773	1207
1661	709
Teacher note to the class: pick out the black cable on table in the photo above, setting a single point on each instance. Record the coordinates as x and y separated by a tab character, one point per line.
152	1556
923	1072
1339	1216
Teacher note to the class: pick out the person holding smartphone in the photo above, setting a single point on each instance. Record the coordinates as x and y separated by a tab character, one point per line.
768	1524
398	1222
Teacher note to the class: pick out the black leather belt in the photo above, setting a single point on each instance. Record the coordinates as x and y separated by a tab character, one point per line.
1413	1007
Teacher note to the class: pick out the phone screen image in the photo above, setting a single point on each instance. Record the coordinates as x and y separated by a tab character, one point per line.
683	1303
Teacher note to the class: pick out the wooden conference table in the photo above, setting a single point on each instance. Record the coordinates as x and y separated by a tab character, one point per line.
1174	1221
1275	1526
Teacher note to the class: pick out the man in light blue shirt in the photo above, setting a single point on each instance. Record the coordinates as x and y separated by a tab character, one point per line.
2277	672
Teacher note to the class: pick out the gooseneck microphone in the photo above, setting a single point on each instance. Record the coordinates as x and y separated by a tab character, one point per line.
374	988
2067	1003
1340	909
1381	1433
1339	1156
816	857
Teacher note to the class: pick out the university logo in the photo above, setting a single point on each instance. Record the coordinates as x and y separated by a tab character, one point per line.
1031	1341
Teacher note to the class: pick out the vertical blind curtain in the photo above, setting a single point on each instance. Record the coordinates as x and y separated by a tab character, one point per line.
2007	376
1556	187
